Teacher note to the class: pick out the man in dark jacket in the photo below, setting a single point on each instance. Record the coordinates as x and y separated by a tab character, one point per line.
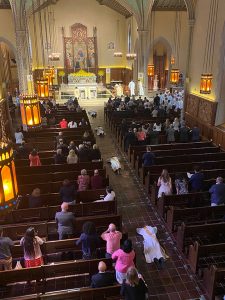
217	192
102	278
130	139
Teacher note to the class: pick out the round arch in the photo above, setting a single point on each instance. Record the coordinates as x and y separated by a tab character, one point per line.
9	44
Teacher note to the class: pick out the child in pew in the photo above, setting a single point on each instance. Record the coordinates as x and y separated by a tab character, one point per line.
181	184
31	247
89	240
34	159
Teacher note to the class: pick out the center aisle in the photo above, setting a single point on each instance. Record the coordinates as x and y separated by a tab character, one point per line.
176	281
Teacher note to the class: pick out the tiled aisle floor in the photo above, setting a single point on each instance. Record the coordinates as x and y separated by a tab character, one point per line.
174	282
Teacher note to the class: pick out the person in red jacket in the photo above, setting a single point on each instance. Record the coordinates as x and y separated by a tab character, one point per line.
96	181
63	123
34	159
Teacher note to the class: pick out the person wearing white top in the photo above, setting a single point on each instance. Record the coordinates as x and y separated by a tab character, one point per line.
72	124
157	127
110	194
18	136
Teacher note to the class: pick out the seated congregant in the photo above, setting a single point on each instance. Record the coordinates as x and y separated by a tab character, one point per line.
34	199
148	157
63	123
103	277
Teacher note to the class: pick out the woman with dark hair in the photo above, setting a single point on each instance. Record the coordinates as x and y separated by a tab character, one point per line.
34	159
124	259
31	247
181	184
89	240
133	288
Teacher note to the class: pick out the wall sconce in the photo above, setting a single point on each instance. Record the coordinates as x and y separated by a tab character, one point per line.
8	182
30	111
151	70
206	83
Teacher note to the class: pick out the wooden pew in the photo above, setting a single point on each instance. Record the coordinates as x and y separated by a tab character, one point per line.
55	272
136	149
136	158
54	198
197	215
25	180
58	168
48	213
49	229
202	256
205	234
185	200
214	282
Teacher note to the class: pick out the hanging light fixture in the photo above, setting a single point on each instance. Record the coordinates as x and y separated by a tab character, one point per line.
206	83
8	181
175	72
151	70
30	111
174	76
129	55
207	76
118	53
42	88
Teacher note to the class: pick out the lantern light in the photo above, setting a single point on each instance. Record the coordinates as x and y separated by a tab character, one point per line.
174	76
206	83
8	182
30	111
42	88
151	70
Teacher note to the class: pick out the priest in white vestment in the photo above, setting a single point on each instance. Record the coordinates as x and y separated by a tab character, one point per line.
152	248
132	88
140	88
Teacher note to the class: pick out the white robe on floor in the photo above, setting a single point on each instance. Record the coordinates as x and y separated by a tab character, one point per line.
115	163
152	248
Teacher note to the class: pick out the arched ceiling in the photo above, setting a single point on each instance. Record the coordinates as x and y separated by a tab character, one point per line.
130	7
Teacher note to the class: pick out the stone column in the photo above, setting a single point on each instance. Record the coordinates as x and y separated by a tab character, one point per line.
191	24
143	56
22	43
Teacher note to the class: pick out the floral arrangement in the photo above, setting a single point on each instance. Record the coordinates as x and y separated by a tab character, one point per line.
82	73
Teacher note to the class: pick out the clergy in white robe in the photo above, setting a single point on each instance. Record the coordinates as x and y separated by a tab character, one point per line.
140	88
152	248
132	88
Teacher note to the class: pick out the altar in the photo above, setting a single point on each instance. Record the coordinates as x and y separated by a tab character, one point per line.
83	84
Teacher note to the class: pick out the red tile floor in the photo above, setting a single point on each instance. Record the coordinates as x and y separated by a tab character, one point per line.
176	281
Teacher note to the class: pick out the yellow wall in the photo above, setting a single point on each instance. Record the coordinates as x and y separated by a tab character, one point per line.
199	45
7	32
164	27
90	14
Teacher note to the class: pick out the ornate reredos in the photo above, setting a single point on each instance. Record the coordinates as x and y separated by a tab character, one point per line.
80	51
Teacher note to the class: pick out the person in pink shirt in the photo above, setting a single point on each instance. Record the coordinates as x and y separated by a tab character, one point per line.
141	136
112	238
124	259
63	123
83	181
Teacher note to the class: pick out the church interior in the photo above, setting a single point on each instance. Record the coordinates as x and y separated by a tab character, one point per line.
112	145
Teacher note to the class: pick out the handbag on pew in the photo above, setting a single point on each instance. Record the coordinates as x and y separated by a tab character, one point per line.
18	265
